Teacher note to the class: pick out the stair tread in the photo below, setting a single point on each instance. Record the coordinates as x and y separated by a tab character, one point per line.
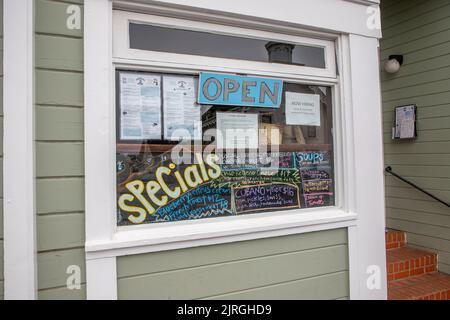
428	286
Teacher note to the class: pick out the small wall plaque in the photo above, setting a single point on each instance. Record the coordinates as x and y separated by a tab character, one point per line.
404	123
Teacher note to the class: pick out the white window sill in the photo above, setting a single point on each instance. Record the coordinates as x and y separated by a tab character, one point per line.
176	235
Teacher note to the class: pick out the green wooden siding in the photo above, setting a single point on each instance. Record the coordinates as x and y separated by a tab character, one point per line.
1	151
420	30
59	150
306	266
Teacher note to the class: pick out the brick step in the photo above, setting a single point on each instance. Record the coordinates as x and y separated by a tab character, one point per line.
432	286
408	262
395	239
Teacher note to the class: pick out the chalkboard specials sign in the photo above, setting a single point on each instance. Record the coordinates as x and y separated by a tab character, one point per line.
155	189
266	196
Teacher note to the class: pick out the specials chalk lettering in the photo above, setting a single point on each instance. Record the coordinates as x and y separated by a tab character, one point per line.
142	197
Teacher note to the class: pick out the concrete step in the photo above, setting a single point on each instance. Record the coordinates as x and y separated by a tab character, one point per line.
395	239
432	286
408	262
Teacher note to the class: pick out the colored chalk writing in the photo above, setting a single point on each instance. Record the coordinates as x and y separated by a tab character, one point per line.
314	174
153	188
164	184
266	197
318	200
312	186
317	178
203	202
313	158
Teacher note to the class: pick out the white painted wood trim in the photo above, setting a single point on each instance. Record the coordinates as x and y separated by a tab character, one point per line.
339	16
101	279
99	115
19	154
368	166
145	239
348	151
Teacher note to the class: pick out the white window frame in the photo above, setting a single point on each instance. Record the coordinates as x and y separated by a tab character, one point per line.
105	241
19	207
156	237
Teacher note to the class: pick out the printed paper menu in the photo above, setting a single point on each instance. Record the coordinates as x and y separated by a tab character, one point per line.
181	112
140	106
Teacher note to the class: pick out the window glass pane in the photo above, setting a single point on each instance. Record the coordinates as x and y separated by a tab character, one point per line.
180	160
154	38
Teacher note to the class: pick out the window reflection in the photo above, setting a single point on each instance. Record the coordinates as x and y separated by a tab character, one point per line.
163	39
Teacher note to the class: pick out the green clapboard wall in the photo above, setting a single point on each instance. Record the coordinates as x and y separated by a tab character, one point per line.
306	266
59	149
420	30
313	265
1	151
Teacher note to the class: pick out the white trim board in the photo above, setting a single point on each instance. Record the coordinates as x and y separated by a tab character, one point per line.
349	16
99	159
368	165
146	239
18	164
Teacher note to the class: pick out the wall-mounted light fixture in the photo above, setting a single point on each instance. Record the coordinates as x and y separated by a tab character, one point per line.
393	64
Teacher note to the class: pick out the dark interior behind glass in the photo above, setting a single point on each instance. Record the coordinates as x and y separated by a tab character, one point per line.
163	39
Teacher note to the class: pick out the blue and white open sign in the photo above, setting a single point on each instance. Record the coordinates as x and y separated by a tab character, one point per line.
228	89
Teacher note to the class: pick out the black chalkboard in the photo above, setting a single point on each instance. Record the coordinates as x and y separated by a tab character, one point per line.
317	178
265	197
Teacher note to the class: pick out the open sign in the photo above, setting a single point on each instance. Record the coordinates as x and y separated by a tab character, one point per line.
227	89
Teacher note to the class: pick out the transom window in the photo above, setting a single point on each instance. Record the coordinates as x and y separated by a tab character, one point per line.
164	39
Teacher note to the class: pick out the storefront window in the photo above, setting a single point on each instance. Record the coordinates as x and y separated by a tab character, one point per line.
214	145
